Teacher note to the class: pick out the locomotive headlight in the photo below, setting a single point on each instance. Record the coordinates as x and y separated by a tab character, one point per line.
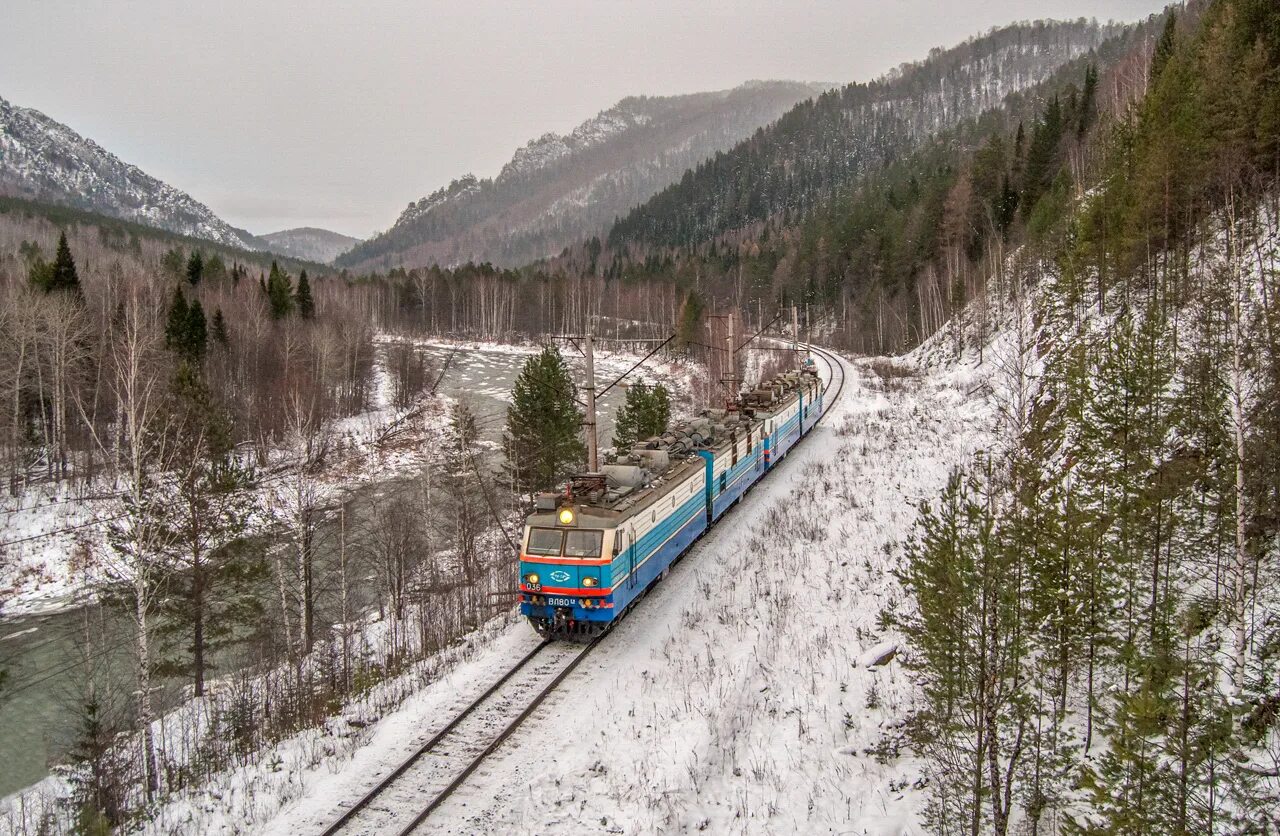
531	578
590	582
566	516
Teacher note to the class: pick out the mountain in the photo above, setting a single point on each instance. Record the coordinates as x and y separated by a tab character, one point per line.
559	189
309	243
879	204
829	141
44	160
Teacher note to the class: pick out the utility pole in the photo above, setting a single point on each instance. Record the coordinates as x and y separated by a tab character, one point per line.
731	376
795	333
593	452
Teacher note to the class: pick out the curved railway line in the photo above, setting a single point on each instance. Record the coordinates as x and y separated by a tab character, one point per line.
403	800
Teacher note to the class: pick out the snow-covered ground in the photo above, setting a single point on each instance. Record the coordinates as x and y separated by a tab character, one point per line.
743	695
50	533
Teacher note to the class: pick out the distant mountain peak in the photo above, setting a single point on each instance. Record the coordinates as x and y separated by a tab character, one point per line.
309	243
556	188
42	159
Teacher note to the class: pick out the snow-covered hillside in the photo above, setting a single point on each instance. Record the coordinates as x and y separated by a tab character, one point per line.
754	690
558	189
44	160
309	243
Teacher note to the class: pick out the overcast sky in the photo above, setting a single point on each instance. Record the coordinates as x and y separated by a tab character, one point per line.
333	114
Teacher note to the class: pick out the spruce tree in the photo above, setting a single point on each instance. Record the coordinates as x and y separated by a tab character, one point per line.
465	482
690	319
626	426
542	436
279	292
306	305
215	595
645	414
61	274
196	338
1088	100
1166	46
195	268
220	335
97	788
175	329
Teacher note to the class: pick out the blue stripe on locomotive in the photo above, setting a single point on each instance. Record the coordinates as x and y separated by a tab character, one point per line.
668	539
654	552
737	478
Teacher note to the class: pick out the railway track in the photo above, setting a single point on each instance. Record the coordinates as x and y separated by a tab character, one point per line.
834	365
404	799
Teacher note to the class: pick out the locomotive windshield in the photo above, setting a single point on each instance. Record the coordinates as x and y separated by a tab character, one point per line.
583	543
544	541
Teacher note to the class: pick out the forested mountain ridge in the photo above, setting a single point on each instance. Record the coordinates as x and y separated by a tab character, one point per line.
559	189
1092	610
309	243
891	246
827	142
42	159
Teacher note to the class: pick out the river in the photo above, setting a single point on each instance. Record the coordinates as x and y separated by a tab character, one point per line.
45	660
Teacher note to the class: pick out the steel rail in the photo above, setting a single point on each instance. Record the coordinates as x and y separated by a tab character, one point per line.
510	729
381	787
458	780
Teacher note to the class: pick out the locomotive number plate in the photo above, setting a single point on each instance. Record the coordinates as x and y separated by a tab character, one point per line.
561	602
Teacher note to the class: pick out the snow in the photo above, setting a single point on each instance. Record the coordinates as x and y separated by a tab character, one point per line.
45	159
740	696
49	572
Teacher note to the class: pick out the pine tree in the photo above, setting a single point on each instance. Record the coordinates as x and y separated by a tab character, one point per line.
306	306
542	436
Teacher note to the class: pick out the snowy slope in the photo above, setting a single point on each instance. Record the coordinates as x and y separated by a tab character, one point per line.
558	189
309	243
44	160
740	696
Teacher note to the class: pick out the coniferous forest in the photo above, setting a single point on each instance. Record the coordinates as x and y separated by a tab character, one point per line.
1098	617
1090	608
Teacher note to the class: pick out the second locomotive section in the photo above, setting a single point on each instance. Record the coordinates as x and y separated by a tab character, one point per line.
590	552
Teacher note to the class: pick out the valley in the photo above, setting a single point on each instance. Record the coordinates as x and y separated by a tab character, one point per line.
275	502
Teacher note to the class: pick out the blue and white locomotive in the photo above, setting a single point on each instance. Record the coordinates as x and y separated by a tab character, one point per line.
590	552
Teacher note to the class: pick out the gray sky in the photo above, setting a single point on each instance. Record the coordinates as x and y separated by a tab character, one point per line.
281	114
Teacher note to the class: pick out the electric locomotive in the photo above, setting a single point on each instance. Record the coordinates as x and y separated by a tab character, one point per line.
590	552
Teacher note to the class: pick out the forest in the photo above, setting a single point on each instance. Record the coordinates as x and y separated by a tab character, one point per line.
251	532
883	206
1096	618
1090	604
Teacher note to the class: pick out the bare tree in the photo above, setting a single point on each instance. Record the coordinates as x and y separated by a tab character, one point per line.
140	536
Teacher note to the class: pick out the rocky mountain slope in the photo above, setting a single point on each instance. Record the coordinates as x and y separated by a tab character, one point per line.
559	189
44	160
309	243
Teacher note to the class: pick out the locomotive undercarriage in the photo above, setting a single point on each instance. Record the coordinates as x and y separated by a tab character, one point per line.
563	627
